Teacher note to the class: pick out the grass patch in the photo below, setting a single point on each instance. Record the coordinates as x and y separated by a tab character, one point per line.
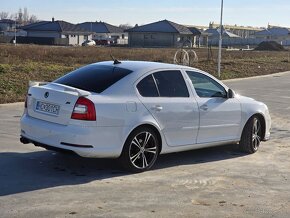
22	63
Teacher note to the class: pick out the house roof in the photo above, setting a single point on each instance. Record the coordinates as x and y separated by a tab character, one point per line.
216	32
100	27
277	31
7	21
163	26
56	26
194	30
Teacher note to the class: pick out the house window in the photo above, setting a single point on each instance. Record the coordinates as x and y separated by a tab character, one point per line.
146	36
123	36
152	36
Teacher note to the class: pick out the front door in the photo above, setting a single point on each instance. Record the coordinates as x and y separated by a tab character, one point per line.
220	117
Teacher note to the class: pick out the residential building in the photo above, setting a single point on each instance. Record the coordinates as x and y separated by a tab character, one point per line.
275	33
65	32
104	31
160	34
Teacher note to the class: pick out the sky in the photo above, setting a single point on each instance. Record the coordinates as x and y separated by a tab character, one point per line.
256	13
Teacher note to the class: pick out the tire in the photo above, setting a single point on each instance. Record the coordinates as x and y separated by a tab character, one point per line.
140	151
251	136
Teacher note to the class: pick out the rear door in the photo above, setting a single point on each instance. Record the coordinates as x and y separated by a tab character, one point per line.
166	97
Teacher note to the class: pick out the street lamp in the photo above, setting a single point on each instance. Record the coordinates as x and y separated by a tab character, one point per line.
220	41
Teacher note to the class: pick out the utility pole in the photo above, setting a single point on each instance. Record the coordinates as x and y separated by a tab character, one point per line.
15	30
220	40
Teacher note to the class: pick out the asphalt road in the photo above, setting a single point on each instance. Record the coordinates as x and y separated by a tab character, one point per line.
214	182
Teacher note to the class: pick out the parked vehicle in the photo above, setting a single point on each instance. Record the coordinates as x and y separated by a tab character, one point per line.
89	43
135	110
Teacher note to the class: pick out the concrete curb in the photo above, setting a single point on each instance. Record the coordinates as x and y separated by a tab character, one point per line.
257	77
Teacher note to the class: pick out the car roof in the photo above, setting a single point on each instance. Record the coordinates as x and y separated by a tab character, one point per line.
137	66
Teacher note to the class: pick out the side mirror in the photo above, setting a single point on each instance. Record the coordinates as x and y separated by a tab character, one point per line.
231	93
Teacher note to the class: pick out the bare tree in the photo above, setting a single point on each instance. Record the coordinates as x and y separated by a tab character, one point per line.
4	15
32	19
25	16
20	16
125	26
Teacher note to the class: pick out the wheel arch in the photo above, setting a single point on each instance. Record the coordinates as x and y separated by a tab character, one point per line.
261	119
151	126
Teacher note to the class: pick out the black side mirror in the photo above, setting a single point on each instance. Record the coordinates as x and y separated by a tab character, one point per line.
231	93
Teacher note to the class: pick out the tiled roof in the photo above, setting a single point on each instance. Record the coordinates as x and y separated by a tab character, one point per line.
163	26
194	30
57	26
276	31
216	32
7	21
100	27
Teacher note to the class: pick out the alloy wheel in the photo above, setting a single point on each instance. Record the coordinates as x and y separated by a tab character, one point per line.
143	150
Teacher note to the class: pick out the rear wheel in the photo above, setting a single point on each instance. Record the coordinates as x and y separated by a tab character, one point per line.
251	137
140	150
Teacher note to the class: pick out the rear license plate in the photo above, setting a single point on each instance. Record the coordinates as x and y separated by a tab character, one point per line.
47	108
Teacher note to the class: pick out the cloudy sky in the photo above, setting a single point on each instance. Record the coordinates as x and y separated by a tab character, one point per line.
191	12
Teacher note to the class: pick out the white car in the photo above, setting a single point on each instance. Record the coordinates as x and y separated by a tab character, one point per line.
135	110
89	43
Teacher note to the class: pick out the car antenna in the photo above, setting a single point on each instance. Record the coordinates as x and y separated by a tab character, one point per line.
115	60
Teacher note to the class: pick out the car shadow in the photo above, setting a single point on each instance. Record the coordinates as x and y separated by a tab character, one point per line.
23	172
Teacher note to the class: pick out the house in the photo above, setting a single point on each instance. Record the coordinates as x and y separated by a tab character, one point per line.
213	35
61	31
160	34
7	25
278	34
241	31
9	28
104	31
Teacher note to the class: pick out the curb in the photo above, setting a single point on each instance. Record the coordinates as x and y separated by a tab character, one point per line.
257	77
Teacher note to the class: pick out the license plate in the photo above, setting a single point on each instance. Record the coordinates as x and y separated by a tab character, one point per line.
47	108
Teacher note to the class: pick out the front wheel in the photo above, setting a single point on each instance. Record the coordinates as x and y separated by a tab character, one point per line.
140	151
251	137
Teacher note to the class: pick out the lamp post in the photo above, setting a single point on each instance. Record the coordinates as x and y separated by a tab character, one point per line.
220	40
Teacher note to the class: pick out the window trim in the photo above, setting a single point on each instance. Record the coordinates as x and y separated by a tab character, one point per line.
182	72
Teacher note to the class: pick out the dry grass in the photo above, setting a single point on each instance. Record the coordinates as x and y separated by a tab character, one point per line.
22	63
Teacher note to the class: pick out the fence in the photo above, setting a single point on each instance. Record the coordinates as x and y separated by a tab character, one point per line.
35	40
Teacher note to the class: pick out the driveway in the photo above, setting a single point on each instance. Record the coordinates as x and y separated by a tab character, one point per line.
213	182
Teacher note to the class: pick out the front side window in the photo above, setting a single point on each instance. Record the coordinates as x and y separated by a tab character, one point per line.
206	87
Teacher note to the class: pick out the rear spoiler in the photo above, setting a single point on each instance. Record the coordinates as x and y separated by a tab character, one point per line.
80	92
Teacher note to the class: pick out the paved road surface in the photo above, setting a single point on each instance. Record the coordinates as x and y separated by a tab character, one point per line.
215	182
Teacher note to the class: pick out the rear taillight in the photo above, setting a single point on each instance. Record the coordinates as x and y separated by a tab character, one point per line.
84	110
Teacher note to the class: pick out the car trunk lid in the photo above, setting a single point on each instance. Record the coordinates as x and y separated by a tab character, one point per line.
53	102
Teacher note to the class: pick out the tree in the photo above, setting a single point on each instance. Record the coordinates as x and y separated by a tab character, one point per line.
125	26
25	16
32	19
4	15
20	16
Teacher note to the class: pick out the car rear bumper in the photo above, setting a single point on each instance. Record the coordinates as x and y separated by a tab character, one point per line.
102	142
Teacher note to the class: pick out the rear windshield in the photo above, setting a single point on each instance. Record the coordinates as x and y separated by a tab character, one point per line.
93	78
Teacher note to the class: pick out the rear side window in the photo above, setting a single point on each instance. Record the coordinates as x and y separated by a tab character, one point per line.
93	78
171	84
147	87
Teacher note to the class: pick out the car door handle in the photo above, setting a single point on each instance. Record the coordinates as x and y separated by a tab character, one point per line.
204	107
157	108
